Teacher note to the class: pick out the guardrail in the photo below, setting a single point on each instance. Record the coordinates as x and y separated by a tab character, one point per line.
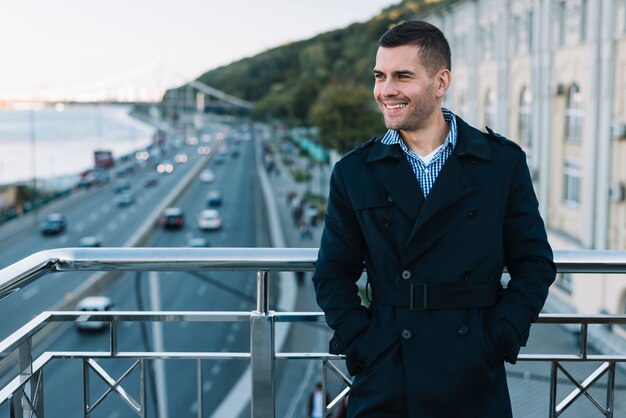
23	396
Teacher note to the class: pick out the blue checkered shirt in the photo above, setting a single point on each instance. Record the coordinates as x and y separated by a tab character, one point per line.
426	174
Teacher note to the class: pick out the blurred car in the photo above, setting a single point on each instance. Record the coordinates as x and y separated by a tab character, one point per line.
124	199
165	167
172	218
151	180
121	185
90	241
53	223
235	153
204	150
197	242
209	219
214	198
93	304
207	176
181	158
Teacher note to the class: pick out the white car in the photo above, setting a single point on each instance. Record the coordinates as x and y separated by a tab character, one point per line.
209	219
207	176
93	304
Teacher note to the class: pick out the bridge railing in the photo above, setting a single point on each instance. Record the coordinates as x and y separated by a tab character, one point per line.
24	394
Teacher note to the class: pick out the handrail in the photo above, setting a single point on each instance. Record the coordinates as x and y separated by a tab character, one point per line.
27	270
23	272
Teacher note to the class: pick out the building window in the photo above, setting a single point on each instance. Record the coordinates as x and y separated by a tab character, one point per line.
574	114
571	183
525	112
564	282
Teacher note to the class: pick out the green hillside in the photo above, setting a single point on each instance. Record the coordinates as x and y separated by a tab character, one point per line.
286	82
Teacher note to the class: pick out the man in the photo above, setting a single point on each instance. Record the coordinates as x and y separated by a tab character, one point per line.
435	209
317	402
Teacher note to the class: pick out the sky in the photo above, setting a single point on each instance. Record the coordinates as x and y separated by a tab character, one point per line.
70	45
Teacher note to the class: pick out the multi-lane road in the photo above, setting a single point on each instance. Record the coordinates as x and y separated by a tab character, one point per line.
95	214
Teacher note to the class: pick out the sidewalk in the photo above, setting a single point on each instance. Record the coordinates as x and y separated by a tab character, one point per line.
298	377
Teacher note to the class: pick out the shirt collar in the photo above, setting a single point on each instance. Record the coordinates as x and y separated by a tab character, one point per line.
393	136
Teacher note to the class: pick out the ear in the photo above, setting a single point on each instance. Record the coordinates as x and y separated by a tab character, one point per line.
443	78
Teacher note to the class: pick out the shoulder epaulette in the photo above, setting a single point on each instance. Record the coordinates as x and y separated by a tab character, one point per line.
502	139
361	147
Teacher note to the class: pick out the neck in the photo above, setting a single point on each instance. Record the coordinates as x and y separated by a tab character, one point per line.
425	140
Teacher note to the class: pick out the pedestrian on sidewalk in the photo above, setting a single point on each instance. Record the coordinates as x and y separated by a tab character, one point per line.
434	209
317	402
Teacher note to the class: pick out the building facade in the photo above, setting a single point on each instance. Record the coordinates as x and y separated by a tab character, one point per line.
551	75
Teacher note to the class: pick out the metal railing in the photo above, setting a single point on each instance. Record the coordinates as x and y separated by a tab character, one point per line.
23	395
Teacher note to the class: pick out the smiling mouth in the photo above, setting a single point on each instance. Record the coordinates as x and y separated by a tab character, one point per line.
395	106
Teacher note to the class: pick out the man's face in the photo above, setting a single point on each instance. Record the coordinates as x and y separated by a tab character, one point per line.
406	92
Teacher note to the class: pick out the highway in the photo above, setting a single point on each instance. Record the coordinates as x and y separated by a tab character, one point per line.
94	213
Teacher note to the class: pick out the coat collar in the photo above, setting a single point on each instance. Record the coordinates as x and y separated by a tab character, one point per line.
471	143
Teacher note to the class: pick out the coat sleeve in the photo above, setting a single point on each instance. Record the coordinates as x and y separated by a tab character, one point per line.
529	261
339	266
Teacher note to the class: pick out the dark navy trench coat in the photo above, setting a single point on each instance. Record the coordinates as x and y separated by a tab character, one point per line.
480	215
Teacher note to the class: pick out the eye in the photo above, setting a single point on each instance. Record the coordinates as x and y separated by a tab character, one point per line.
379	76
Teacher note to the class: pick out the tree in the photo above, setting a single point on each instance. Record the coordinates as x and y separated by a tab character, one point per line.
346	115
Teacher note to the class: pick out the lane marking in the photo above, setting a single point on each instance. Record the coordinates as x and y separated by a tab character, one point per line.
112	226
122	216
80	227
230	338
93	216
202	290
30	292
63	239
206	386
216	369
235	326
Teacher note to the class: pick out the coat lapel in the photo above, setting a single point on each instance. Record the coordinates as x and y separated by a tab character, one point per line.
398	178
452	184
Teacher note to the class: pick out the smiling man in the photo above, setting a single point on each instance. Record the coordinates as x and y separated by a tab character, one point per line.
435	209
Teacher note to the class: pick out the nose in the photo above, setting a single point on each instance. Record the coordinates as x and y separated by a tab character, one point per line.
388	88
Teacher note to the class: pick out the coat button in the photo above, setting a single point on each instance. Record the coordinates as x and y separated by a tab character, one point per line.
406	275
396	156
335	345
464	330
472	213
389	198
386	222
406	334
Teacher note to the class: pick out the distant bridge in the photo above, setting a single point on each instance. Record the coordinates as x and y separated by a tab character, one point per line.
147	84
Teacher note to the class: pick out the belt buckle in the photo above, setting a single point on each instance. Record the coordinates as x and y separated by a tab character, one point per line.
413	299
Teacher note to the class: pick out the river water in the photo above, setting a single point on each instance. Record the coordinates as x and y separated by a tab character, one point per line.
60	141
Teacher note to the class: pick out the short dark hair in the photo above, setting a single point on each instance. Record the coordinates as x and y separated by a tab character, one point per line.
433	45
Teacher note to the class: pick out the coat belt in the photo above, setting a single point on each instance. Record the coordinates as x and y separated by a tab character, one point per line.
424	296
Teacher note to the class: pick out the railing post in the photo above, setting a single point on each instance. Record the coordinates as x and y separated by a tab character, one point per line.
262	352
86	399
21	405
553	381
